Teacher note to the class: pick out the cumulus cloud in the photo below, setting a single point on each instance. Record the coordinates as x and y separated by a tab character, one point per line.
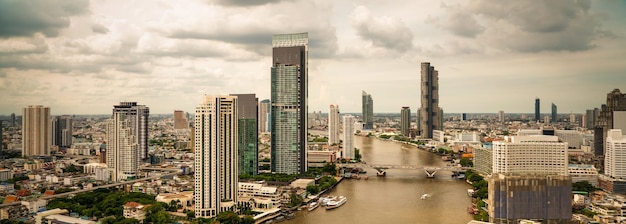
25	18
385	32
99	28
463	24
245	2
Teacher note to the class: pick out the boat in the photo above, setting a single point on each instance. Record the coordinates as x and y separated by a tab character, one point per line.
470	192
336	202
424	196
324	200
381	173
313	205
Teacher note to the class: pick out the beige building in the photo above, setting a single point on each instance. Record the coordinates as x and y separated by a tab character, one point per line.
134	210
36	131
180	121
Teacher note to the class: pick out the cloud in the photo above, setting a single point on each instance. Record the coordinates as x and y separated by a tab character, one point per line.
245	2
463	24
385	32
25	18
99	28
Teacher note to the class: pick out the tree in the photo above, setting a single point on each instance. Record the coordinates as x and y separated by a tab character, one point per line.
247	219
190	214
329	168
295	200
227	217
583	186
465	162
265	167
313	189
357	154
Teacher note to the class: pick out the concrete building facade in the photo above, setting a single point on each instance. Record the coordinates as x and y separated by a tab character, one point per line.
36	131
138	115
348	137
121	149
62	131
405	120
430	114
333	124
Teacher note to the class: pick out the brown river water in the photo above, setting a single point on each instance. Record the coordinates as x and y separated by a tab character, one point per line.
395	198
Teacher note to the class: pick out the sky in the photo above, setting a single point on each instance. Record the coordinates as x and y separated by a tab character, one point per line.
83	57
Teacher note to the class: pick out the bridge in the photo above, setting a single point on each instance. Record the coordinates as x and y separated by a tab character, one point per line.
429	170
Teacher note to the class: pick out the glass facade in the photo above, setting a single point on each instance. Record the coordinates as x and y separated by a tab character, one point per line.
286	120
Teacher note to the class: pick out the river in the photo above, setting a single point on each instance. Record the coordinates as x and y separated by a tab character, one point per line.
396	197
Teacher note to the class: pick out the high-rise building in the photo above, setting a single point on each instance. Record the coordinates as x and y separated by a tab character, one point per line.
122	154
431	115
367	104
572	118
501	116
264	116
348	137
537	110
247	105
13	120
180	121
36	131
216	166
590	119
464	116
289	103
62	131
333	125
615	101
615	156
138	116
540	155
405	121
553	118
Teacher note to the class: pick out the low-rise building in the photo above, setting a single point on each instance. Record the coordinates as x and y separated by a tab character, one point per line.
259	196
321	156
64	219
583	172
185	198
134	210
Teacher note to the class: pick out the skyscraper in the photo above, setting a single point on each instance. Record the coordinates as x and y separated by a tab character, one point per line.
615	101
501	116
216	159
537	110
36	131
264	116
13	120
368	110
180	121
405	121
553	118
333	125
348	137
138	116
615	159
289	110
62	131
590	119
122	154
431	116
247	135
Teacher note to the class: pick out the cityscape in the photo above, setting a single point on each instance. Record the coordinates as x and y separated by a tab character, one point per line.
248	112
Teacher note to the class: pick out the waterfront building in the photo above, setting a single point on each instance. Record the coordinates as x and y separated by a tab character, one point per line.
501	116
439	136
367	104
537	110
36	131
180	121
333	125
513	198
258	195
583	172
483	161
321	157
216	160
553	118
405	121
615	101
348	137
138	116
431	115
289	103
121	149
62	131
537	155
264	116
248	133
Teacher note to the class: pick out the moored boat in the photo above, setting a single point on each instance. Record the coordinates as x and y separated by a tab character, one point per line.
336	202
313	205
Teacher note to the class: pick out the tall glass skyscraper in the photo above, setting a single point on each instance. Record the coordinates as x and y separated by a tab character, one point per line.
431	116
289	103
247	133
368	110
553	113
537	110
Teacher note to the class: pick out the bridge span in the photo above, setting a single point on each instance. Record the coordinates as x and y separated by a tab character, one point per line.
429	170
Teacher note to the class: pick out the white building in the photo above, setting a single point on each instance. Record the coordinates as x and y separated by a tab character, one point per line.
539	154
259	196
333	125
573	138
134	210
438	136
583	172
122	148
348	137
216	160
615	155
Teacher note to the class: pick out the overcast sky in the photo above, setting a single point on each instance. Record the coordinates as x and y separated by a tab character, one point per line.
82	57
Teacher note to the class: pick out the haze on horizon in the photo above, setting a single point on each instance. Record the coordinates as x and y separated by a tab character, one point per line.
82	57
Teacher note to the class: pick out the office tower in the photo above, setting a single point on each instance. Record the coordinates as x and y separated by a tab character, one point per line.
36	131
530	180
431	115
192	136
180	121
615	157
405	121
138	116
122	154
589	119
13	119
289	110
572	118
553	119
216	165
62	131
333	125
615	101
348	137
537	110
264	116
501	116
619	120
367	104
247	135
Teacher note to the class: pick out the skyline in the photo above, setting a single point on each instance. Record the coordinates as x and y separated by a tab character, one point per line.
79	57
